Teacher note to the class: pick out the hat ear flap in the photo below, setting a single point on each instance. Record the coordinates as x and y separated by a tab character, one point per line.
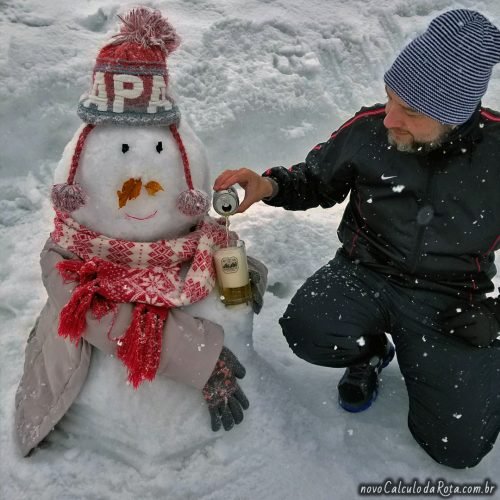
191	202
69	196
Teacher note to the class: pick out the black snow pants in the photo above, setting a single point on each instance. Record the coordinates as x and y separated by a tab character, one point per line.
453	387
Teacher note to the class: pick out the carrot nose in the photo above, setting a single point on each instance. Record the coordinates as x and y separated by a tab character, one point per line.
131	189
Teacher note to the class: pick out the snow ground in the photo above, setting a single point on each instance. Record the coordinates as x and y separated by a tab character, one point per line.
261	82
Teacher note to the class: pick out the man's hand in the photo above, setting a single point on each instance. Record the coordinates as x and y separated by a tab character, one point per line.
256	187
226	401
478	323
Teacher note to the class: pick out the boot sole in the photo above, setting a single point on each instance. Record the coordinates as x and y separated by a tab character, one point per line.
364	406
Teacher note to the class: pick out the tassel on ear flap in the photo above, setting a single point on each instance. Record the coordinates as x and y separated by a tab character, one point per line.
193	202
69	196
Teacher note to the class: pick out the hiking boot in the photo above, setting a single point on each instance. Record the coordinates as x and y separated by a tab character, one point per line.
358	387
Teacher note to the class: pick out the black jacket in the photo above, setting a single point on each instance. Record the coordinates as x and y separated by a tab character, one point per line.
423	219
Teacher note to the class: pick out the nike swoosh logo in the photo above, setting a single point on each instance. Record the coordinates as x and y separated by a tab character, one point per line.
384	178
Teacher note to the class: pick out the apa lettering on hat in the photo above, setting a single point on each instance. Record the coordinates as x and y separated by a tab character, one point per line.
127	87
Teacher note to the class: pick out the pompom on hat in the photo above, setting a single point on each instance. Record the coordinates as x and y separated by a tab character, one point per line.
445	72
129	87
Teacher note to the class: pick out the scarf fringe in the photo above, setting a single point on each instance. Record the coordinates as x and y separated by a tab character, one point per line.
140	347
72	320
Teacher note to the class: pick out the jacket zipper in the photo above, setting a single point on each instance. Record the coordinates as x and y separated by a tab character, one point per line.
421	230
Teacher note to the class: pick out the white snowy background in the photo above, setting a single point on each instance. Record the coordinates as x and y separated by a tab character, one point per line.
261	81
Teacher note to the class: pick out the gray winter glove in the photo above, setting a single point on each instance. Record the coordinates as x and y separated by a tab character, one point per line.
226	401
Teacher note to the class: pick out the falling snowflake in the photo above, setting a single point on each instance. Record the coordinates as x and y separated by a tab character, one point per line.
444	440
457	415
361	341
399	188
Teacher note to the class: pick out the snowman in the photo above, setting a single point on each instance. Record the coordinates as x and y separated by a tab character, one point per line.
134	342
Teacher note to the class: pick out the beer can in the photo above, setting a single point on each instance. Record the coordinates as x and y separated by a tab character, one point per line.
226	202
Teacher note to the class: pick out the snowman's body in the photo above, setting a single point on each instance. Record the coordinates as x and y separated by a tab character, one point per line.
162	418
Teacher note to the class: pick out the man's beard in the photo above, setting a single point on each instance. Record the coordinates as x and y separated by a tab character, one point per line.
421	147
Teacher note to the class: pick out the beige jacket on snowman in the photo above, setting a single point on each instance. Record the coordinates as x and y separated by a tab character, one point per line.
55	369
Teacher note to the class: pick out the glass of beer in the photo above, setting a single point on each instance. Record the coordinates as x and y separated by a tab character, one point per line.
232	273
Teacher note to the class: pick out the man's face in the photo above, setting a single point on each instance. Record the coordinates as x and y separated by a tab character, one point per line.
409	130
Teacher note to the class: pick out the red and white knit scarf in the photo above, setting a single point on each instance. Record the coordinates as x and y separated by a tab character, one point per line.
146	274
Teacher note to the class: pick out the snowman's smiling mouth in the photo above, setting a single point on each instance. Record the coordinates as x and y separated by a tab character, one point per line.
150	216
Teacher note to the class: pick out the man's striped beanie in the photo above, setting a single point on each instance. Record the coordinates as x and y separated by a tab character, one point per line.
444	72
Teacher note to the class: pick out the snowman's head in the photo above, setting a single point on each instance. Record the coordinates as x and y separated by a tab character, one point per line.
133	178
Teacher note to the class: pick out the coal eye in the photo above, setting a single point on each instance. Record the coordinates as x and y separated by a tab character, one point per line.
125	148
159	147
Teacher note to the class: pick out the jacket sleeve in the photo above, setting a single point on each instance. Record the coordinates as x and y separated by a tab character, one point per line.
191	346
323	179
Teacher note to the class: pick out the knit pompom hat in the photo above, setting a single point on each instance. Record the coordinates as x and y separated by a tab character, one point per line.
445	72
130	78
130	87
